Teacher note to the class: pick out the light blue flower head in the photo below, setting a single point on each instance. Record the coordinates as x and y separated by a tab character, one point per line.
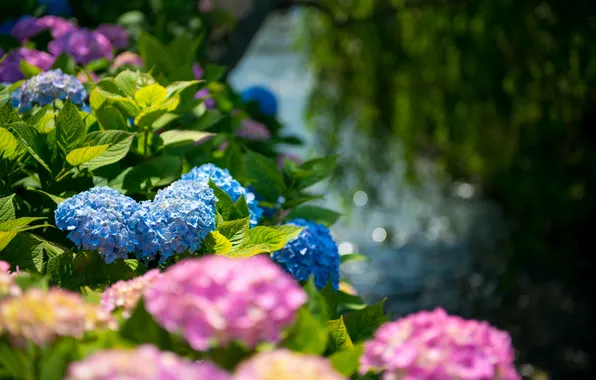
313	252
178	219
224	180
99	219
46	87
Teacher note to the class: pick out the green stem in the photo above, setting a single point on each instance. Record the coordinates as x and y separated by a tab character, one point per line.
146	142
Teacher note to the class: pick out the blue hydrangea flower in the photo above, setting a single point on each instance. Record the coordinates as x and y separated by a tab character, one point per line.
46	87
99	219
224	180
313	252
178	219
263	97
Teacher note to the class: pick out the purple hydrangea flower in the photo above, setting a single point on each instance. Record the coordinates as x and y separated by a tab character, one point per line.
10	67
83	45
100	219
286	365
127	58
253	130
205	95
215	300
117	35
197	71
145	362
28	27
126	294
434	346
46	87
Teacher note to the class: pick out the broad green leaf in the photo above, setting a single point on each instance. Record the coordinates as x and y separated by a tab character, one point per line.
97	65
225	205
214	73
176	88
331	298
362	324
339	339
30	252
241	207
153	53
16	362
6	237
308	335
316	302
110	118
151	95
269	179
126	105
46	123
55	198
347	361
61	271
28	69
70	127
350	302
352	257
9	144
130	82
8	115
236	231
295	202
182	137
19	223
215	242
141	328
7	208
31	140
55	359
316	214
207	120
156	172
150	114
248	249
119	144
314	171
81	155
290	232
273	239
65	62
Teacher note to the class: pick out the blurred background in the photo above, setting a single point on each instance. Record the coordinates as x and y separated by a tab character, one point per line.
466	131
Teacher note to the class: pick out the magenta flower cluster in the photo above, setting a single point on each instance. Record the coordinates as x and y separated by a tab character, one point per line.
434	346
215	300
126	294
143	363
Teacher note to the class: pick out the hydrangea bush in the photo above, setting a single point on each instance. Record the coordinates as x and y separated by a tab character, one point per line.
152	227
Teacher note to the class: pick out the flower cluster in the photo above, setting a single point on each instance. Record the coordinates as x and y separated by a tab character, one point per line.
143	363
205	95
434	345
100	219
224	180
44	315
83	45
253	130
126	294
216	300
286	365
313	252
127	58
117	35
28	27
10	67
46	87
178	219
7	286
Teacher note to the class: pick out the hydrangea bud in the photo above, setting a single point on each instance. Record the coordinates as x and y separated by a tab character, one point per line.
215	300
287	365
46	87
83	45
224	180
253	130
177	220
117	35
44	315
434	345
100	219
145	362
125	295
312	253
127	58
10	67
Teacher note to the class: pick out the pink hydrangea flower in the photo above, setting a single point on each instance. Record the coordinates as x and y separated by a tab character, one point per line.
44	315
117	35
127	58
435	346
286	365
253	130
82	77
126	294
31	26
8	288
145	362
83	45
216	300
10	67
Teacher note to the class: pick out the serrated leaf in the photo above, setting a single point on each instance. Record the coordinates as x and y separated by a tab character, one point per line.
126	105
314	171
316	302
7	208
317	214
225	205
269	179
28	69
273	239
31	140
362	324
18	224
8	115
236	231
215	242
55	198
347	361
30	252
119	144
156	172
182	137
6	237
307	334
339	338
110	118
151	95
150	114
129	82
8	144
290	232
70	127
176	88
81	155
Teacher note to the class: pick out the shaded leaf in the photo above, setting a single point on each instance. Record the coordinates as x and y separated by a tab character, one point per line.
362	324
316	214
81	155
7	208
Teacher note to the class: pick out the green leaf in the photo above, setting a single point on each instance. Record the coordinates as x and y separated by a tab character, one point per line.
153	53
316	214
215	242
28	69
6	237
236	231
347	361
64	62
269	179
275	240
8	115
110	118
176	88
214	73
14	361
141	328
316	302
70	128
9	144
7	208
97	65
182	137
241	207
350	302
314	171
55	358
225	205
31	140
30	252
61	271
352	257
55	198
156	172
308	335
295	202
81	155
331	298
19	223
119	145
151	95
149	115
362	324
339	339
290	232
100	96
